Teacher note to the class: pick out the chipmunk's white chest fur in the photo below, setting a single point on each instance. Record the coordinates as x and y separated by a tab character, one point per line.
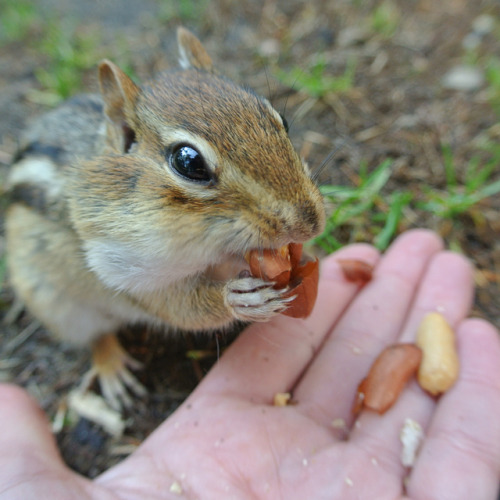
123	267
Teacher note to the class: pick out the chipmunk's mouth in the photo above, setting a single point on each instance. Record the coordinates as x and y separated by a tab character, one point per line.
231	267
285	268
235	266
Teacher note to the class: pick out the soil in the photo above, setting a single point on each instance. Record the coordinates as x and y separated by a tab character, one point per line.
397	107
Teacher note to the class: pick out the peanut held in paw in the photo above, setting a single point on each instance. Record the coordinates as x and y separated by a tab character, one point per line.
282	266
271	265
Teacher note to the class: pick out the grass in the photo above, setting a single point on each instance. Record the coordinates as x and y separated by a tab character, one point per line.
366	212
493	79
385	19
363	208
191	11
70	53
457	198
16	19
315	81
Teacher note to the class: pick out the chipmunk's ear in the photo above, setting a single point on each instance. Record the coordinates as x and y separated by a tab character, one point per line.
118	90
192	54
119	93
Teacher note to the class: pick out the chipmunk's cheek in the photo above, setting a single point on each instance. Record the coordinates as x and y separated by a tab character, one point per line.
229	269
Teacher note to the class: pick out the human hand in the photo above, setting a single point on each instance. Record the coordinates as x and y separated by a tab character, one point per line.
227	441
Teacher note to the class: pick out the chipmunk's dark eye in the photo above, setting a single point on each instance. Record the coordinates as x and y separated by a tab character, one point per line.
189	163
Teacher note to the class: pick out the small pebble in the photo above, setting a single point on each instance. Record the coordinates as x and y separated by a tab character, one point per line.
483	24
269	48
352	35
471	41
463	77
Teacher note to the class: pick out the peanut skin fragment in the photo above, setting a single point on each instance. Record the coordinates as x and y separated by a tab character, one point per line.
295	250
440	365
387	377
305	288
356	270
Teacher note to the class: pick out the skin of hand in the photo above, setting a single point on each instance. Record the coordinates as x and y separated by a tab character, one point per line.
228	441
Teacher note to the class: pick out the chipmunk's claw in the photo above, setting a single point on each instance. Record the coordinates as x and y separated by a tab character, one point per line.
110	365
252	299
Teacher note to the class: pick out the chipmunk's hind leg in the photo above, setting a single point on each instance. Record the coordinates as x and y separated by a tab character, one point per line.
110	366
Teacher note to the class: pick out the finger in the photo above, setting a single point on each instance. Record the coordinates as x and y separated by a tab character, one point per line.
27	445
460	456
30	464
380	434
447	288
268	358
373	321
24	425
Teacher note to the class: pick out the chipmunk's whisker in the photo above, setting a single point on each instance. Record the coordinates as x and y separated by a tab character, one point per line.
331	192
326	162
269	91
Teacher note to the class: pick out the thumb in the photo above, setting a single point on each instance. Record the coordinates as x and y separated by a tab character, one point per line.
24	427
30	464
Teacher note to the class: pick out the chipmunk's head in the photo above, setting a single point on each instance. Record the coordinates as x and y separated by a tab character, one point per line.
211	170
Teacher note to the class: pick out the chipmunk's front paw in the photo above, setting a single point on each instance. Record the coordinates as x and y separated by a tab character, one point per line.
252	299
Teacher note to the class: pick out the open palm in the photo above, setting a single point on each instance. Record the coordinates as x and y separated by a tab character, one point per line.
228	441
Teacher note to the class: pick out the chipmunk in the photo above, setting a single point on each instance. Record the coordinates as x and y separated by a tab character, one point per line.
139	204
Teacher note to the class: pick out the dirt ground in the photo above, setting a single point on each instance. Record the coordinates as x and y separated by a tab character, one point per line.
397	106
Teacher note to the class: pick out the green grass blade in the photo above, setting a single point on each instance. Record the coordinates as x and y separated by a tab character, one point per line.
449	165
398	202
